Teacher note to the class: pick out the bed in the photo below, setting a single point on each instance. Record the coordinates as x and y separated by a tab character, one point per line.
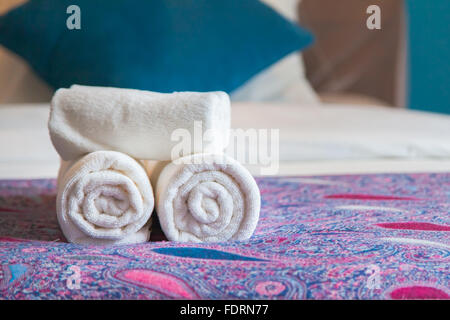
359	209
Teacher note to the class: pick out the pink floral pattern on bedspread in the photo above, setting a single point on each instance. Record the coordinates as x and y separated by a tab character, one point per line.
330	237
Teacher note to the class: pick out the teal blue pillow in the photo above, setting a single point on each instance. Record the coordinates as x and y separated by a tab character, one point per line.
158	45
429	55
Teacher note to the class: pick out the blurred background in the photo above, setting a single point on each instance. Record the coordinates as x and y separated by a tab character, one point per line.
349	61
405	64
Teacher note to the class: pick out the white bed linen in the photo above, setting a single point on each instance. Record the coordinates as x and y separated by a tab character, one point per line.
329	139
342	132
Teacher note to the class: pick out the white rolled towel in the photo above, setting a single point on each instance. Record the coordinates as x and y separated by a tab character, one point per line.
104	198
205	198
139	123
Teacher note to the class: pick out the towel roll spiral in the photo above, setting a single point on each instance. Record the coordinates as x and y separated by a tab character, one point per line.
206	198
104	198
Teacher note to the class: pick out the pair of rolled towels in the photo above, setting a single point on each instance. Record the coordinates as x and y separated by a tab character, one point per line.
117	166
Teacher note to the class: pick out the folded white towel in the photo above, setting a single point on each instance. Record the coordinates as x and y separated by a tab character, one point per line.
104	198
205	198
139	123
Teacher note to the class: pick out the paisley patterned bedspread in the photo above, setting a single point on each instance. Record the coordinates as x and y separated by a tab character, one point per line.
327	237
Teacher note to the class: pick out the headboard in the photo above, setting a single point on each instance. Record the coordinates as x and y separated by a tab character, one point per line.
347	56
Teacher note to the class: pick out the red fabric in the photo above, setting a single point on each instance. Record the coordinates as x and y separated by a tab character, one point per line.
425	226
367	197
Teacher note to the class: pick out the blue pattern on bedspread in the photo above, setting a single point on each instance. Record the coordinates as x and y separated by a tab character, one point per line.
329	237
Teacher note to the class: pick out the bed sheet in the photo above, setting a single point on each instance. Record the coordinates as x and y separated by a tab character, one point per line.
332	139
383	236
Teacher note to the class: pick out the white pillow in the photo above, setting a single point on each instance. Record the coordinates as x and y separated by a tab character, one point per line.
284	81
288	8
